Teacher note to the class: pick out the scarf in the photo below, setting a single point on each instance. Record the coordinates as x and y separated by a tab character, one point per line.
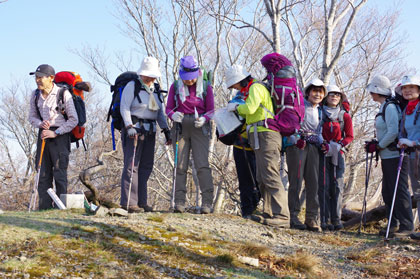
411	106
245	90
152	105
185	92
332	113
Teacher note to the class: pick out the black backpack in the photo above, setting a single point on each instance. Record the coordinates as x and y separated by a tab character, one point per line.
397	100
116	90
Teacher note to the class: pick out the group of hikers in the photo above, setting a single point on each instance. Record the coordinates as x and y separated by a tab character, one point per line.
268	113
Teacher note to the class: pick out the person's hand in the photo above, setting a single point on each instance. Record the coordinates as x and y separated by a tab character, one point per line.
48	134
301	143
325	147
131	132
404	143
372	146
232	106
292	140
200	122
167	133
45	125
177	116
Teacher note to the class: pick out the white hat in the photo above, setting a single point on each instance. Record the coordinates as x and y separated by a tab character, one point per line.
149	68
380	85
315	82
235	74
333	88
406	80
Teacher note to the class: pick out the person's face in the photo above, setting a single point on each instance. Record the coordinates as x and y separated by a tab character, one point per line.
236	86
316	95
333	99
377	97
44	82
410	92
148	80
189	82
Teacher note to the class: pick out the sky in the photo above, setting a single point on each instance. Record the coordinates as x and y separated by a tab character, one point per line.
35	32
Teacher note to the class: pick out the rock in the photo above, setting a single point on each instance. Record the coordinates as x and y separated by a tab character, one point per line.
249	261
171	229
268	234
101	212
118	212
142	238
1	211
175	238
409	248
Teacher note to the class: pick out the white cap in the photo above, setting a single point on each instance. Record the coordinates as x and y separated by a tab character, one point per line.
315	82
380	85
149	68
235	74
407	80
333	88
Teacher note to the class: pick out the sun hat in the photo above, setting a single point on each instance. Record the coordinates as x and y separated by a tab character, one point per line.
188	68
235	74
149	68
380	85
315	82
407	80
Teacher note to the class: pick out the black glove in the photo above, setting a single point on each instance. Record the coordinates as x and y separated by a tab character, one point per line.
167	133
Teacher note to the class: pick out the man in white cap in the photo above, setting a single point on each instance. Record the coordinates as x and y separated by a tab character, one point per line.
140	116
54	130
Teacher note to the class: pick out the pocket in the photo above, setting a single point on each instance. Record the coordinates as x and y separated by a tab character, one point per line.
63	160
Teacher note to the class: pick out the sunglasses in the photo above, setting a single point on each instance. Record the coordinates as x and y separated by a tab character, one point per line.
189	69
337	94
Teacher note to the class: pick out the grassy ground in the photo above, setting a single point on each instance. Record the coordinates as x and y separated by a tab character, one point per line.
67	244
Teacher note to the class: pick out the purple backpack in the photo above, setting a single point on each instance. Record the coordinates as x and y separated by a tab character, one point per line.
288	102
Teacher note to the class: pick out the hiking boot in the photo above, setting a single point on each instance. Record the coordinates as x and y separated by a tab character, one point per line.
338	226
276	221
135	209
298	225
257	218
392	230
403	233
415	236
205	209
179	208
312	225
146	208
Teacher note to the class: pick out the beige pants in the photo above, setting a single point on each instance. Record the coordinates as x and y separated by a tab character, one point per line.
268	174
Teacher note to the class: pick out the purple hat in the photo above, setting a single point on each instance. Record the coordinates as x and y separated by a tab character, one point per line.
189	69
273	62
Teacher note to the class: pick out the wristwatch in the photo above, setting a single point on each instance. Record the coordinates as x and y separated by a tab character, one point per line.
57	132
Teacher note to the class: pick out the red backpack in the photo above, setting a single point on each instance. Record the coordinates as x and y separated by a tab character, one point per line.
288	102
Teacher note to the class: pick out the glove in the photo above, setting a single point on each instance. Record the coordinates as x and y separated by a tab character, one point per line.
132	132
406	142
200	122
292	140
177	116
167	133
232	106
301	143
372	146
325	147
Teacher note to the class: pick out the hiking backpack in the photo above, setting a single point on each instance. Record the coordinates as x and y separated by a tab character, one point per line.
117	89
397	100
288	102
72	82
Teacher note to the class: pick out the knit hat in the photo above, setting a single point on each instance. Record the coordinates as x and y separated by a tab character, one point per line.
235	74
149	68
380	85
188	69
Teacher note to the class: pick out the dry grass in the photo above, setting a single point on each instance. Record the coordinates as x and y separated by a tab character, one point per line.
335	240
364	255
252	250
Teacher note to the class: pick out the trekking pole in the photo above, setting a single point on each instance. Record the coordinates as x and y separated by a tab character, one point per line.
367	175
175	165
324	192
132	170
395	193
35	188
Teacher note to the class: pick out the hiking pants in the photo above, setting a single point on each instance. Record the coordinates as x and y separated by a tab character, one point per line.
334	187
268	174
303	165
402	207
143	166
55	161
195	140
248	193
415	182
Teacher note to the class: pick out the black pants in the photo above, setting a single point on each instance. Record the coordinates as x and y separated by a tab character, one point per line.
248	192
402	212
55	161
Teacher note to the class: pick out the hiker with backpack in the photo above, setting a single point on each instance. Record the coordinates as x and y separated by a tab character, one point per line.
265	142
337	132
387	130
141	108
54	132
409	138
303	158
190	106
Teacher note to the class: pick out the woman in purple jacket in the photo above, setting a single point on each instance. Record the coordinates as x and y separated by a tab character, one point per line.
190	105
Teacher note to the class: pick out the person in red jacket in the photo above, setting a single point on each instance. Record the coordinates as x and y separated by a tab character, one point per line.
337	131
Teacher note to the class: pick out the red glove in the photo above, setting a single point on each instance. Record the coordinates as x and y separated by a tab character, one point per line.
372	146
301	143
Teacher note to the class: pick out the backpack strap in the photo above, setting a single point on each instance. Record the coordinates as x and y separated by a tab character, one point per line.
137	87
37	93
341	121
61	101
417	114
